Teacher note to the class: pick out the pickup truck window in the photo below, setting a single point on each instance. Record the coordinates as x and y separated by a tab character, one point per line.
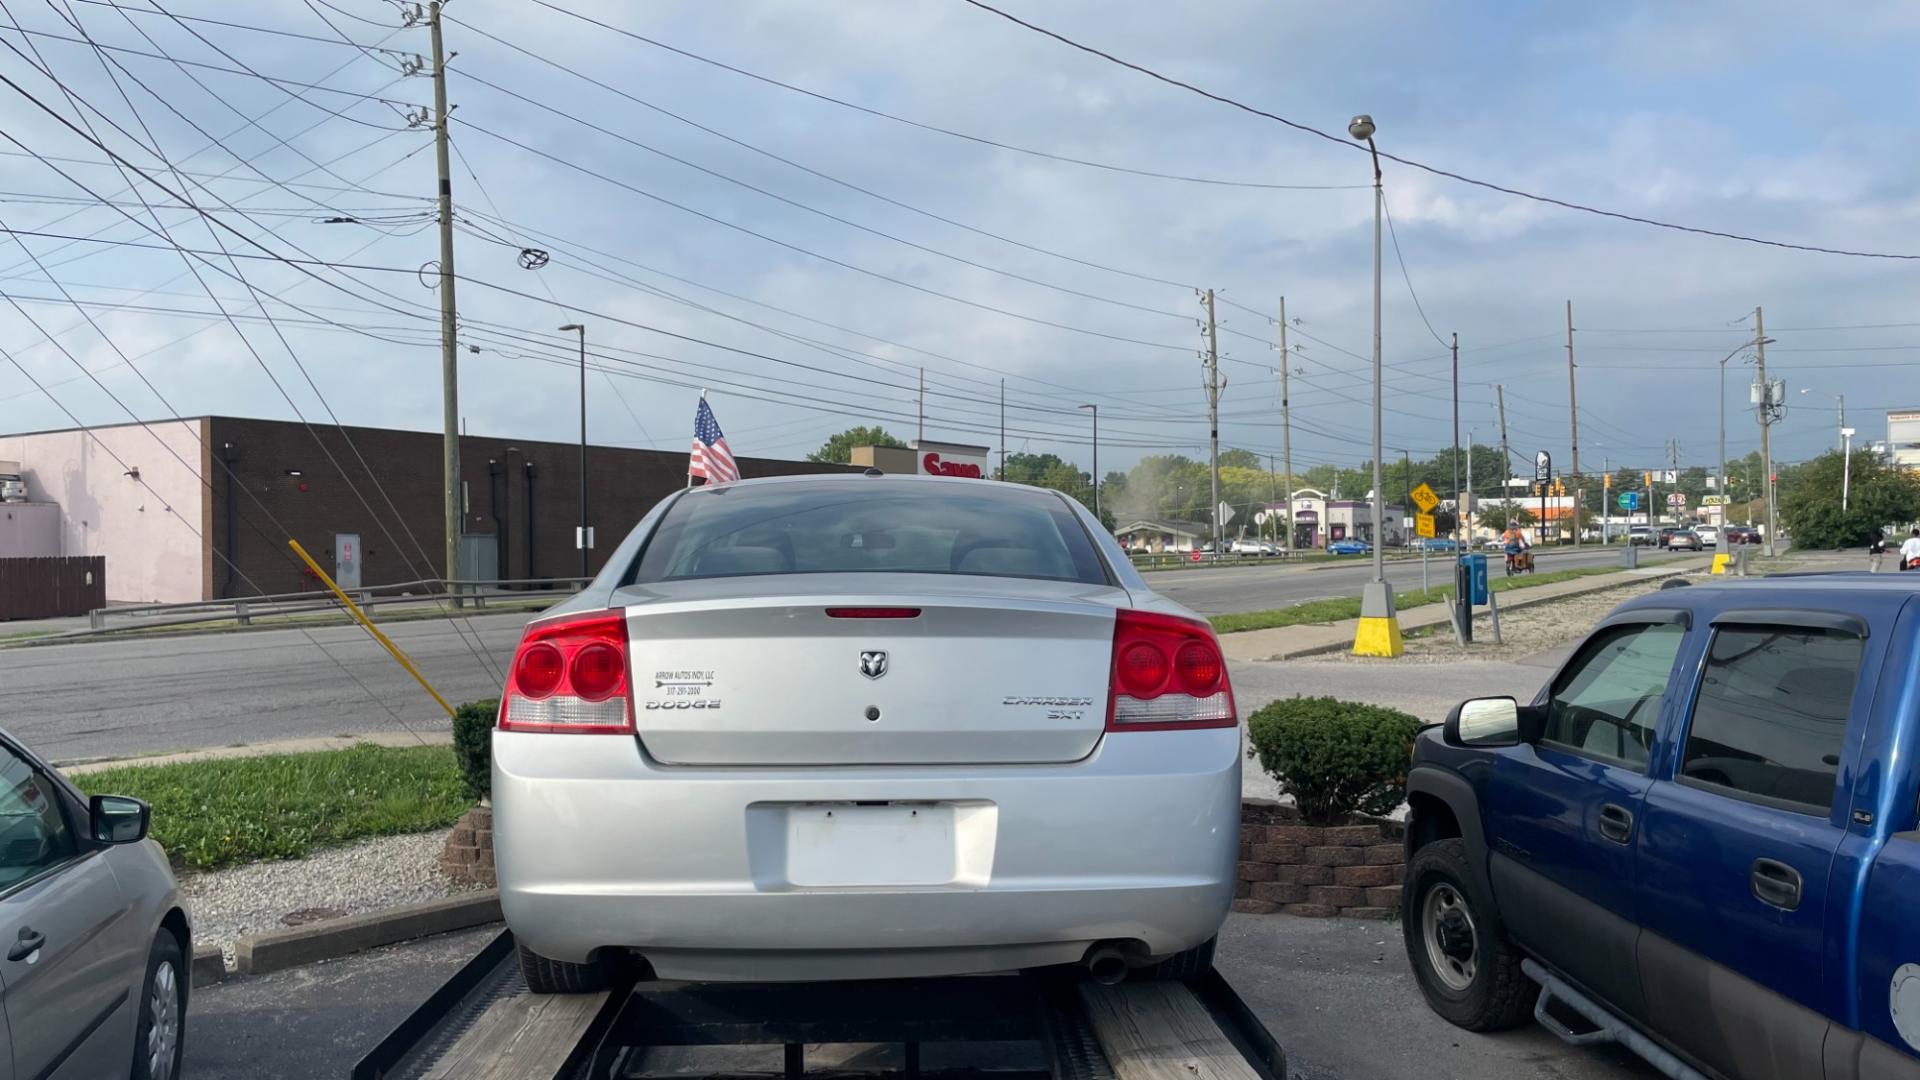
1606	703
1772	714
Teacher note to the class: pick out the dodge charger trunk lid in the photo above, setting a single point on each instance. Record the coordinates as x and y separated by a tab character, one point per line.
929	671
856	620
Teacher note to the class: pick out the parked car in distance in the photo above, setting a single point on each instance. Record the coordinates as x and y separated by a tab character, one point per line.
1640	534
1254	548
1709	534
1682	539
95	977
1717	789
1349	547
851	727
1740	534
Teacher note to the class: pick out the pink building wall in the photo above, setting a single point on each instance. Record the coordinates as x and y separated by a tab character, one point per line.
148	529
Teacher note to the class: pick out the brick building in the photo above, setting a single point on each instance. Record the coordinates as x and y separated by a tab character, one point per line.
174	525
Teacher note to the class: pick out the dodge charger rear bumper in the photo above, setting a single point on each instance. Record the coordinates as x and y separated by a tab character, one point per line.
718	873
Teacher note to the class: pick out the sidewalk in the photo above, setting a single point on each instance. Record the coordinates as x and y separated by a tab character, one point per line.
1289	642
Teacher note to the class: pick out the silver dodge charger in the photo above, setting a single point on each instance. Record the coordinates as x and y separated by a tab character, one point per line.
860	726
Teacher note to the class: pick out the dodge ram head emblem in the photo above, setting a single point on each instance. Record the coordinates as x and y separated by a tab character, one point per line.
873	663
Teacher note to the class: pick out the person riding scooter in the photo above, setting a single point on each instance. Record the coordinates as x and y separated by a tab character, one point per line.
1519	554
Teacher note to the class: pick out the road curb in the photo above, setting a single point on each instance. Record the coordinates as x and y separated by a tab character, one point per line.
314	745
276	950
209	966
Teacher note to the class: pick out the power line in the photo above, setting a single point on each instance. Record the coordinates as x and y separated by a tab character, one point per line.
1424	167
798	205
1050	156
809	170
1406	277
843	264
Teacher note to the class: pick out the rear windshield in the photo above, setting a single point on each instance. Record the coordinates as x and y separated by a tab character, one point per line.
988	529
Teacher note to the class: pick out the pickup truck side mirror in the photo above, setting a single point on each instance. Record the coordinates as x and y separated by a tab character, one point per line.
1484	722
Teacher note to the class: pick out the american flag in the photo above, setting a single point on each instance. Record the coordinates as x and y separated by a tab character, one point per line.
711	458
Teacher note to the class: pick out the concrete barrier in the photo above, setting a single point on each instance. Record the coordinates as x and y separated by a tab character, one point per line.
275	950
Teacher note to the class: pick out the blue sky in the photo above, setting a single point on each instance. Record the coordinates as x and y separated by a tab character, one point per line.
1770	119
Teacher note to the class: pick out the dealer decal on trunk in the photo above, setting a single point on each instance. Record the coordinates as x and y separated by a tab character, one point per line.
684	690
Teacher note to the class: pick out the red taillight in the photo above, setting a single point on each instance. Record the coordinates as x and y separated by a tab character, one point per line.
1167	674
570	676
1199	668
537	670
1141	669
873	613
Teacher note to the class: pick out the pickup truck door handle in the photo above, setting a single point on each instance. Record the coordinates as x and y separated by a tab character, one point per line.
1616	823
26	944
1776	884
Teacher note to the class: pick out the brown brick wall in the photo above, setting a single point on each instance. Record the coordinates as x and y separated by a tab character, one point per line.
623	485
1285	866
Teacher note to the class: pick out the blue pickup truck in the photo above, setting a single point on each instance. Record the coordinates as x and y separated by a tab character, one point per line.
1699	839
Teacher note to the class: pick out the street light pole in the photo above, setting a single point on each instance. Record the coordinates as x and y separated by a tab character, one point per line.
1096	457
1842	399
581	540
1379	631
1846	465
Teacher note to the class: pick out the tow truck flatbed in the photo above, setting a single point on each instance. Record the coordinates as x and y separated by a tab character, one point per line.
483	1024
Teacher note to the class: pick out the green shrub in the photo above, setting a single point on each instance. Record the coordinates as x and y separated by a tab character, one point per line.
1336	758
473	746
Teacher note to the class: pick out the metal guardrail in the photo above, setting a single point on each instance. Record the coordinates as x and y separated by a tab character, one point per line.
245	609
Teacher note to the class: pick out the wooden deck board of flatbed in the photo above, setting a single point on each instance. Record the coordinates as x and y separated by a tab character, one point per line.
1160	1031
524	1037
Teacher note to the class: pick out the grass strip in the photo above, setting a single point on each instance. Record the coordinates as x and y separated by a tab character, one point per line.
1323	612
210	814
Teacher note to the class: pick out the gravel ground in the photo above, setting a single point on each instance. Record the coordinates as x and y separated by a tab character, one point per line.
367	876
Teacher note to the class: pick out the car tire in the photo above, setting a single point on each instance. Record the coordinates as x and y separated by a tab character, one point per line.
1466	967
1189	966
546	976
159	1038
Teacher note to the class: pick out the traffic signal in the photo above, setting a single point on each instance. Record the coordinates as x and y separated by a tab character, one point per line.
1606	482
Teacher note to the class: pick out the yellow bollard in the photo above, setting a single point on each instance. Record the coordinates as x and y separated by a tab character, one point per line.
1720	563
399	657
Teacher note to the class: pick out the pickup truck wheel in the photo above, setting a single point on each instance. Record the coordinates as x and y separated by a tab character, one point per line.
1468	970
546	976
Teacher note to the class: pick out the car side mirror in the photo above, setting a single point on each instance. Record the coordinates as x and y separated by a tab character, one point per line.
1484	722
118	819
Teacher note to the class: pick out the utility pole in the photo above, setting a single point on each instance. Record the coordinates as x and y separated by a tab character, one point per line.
1506	460
1464	514
1766	422
1003	429
1573	428
449	336
1456	437
1271	480
1213	414
1286	426
920	427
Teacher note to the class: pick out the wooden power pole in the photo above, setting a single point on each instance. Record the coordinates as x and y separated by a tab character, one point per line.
1213	415
1573	428
449	331
1286	425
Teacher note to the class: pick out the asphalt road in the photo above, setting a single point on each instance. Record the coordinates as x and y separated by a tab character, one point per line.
121	697
1212	591
129	696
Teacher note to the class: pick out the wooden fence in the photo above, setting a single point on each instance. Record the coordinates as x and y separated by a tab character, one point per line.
45	588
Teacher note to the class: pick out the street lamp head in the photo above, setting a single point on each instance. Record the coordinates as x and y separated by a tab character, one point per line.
1361	127
573	326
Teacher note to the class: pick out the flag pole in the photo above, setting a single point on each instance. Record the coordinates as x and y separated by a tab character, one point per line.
703	397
